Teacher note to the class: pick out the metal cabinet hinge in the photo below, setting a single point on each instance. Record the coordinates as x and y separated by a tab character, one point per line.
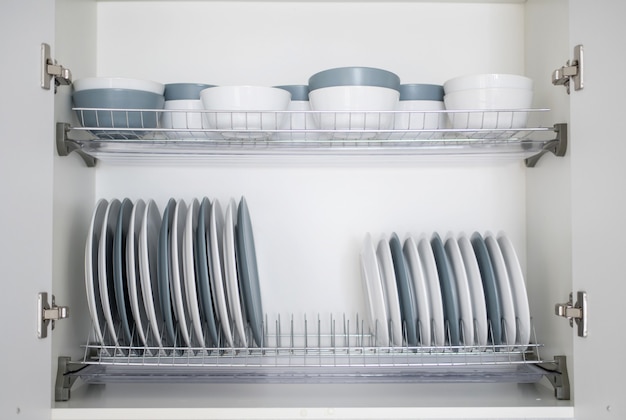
575	312
48	313
50	69
572	70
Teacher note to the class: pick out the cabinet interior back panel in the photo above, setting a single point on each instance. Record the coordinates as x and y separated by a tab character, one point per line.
309	220
277	43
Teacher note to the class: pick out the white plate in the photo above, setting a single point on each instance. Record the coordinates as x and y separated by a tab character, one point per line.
92	285
436	301
479	306
390	290
177	272
132	271
230	272
148	261
420	287
189	268
463	291
216	268
105	269
372	282
504	289
518	286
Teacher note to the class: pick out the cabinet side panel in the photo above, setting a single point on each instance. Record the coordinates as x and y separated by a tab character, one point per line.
26	114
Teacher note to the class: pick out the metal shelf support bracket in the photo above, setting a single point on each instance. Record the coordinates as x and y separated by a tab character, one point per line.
65	145
64	381
556	373
557	147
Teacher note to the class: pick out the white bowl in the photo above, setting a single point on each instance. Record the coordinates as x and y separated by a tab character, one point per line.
261	108
89	83
181	118
485	81
409	116
354	108
489	100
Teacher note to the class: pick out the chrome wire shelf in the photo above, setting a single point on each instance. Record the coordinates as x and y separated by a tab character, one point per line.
107	133
331	351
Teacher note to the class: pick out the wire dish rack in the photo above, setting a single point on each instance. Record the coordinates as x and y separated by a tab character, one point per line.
324	352
106	133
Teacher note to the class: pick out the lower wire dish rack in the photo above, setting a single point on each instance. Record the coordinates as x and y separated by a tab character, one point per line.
142	133
322	354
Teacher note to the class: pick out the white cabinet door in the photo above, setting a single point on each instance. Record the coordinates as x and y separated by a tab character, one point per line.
26	116
598	151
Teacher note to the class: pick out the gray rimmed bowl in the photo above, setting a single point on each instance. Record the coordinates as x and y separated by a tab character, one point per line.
184	91
126	99
354	76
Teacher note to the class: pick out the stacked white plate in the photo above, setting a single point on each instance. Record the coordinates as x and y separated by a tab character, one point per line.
183	278
464	291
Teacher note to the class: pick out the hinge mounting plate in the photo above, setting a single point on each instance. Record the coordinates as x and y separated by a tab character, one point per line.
50	69
48	313
572	70
575	312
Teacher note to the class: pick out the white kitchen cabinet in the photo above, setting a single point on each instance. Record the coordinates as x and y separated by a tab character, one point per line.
310	213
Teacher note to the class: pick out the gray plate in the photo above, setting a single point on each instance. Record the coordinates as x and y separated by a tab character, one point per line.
163	273
494	312
448	290
202	270
249	272
406	293
120	283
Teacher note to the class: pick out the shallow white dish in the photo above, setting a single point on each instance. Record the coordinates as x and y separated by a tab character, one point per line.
487	102
177	272
436	301
479	306
420	287
189	270
92	284
148	261
105	269
373	285
354	108
504	289
180	116
231	273
518	287
132	271
390	289
217	268
252	111
463	291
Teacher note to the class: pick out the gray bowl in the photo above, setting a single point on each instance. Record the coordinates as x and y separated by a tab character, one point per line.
298	92
117	98
179	91
421	92
354	76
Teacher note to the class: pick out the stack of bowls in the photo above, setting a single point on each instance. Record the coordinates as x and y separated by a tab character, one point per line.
245	111
118	93
299	117
180	98
488	92
415	102
354	95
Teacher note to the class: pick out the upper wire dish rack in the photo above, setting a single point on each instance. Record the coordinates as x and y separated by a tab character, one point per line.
107	133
